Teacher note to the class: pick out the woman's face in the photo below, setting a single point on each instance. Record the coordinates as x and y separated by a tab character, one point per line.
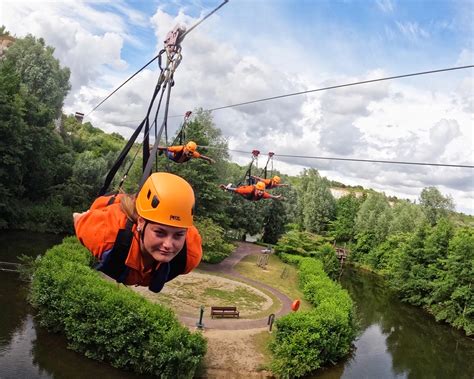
162	242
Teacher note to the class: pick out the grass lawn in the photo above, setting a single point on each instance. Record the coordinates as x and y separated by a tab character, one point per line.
187	293
234	296
272	276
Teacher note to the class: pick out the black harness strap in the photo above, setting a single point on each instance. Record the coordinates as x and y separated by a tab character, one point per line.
270	158
248	174
120	159
114	264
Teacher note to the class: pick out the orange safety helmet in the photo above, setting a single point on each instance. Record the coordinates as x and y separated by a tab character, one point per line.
166	199
260	186
191	146
276	179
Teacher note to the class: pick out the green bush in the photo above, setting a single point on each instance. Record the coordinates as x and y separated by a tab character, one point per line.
306	341
327	255
50	216
290	258
109	322
215	248
299	243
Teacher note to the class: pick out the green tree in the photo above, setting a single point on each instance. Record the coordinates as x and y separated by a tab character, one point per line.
14	140
41	73
343	227
453	296
316	203
274	221
372	224
406	217
434	204
4	31
422	263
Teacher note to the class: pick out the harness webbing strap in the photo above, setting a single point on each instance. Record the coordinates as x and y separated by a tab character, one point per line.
114	266
120	159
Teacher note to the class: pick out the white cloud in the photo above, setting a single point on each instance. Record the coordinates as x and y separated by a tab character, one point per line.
84	39
385	6
412	30
466	57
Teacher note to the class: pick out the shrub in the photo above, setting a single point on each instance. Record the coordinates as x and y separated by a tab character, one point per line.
108	322
305	341
299	243
327	255
290	258
50	216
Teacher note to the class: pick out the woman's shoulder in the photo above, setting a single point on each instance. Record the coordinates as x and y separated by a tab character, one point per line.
101	224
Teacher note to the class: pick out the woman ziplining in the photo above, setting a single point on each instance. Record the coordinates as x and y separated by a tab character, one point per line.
147	239
252	192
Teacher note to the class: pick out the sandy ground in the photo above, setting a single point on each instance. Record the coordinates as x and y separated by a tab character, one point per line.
230	353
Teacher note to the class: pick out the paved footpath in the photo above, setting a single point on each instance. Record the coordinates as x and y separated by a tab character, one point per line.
226	267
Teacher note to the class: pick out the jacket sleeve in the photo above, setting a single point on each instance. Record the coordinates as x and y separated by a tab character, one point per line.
194	247
97	229
266	195
244	190
175	149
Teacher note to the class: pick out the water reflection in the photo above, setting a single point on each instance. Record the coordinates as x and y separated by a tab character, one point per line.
398	340
26	349
13	310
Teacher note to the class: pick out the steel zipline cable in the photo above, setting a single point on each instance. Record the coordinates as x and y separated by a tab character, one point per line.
352	159
329	88
340	86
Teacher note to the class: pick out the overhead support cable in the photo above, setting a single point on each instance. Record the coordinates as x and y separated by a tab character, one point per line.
328	88
353	159
339	86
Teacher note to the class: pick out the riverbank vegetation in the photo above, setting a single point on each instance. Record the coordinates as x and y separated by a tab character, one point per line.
306	341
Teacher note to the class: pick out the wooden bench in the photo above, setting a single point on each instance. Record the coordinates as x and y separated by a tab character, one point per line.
224	312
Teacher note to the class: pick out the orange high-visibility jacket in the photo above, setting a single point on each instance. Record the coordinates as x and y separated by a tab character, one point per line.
269	183
249	193
176	153
97	230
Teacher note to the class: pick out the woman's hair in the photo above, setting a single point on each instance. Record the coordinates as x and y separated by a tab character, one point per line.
127	205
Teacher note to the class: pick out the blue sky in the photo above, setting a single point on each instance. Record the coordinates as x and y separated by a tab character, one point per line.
254	49
402	35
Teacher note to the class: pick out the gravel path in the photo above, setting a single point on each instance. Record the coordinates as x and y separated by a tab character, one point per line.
226	267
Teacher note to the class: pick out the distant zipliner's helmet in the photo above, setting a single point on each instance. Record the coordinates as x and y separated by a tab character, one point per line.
276	179
260	186
191	146
166	199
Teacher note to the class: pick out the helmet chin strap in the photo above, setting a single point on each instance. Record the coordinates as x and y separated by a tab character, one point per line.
142	231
